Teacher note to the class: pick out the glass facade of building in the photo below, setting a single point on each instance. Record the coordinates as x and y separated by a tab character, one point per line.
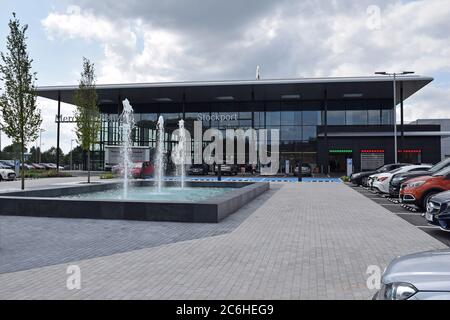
297	121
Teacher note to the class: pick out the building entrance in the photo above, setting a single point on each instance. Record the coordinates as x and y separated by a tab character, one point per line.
337	161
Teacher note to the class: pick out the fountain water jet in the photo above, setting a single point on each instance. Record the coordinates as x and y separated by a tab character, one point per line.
160	154
180	154
127	119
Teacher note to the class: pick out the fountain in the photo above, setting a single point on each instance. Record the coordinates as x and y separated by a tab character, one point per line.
180	154
127	119
160	154
140	200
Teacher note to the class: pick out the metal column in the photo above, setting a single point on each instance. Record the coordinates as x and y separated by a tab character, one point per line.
58	132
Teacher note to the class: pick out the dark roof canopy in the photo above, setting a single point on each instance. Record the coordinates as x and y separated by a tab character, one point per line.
375	87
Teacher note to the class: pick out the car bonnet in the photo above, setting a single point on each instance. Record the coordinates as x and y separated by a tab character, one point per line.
427	271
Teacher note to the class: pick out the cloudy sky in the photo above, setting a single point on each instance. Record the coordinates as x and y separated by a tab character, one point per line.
142	41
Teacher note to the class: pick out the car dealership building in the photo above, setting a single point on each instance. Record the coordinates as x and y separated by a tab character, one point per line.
322	121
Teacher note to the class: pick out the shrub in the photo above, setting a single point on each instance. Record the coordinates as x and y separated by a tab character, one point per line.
345	179
37	174
107	176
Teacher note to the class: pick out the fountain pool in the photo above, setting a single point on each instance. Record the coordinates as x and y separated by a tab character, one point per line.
151	193
201	202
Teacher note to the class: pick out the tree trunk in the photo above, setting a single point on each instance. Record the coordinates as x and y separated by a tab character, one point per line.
89	165
22	167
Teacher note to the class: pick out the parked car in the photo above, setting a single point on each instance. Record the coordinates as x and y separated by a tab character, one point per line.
438	210
38	166
226	169
199	169
306	170
49	166
27	166
7	174
418	276
8	164
142	170
361	178
398	179
419	190
116	169
381	181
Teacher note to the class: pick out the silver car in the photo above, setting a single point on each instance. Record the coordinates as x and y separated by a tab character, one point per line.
419	276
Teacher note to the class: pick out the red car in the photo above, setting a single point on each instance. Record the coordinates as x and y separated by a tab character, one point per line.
141	170
419	190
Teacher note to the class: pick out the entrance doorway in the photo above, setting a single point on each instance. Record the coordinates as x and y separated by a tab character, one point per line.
413	156
337	161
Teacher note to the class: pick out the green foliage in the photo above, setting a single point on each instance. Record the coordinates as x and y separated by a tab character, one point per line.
12	151
107	176
21	117
77	156
87	113
345	179
38	174
49	156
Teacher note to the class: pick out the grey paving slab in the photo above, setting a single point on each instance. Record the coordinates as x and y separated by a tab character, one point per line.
306	241
27	243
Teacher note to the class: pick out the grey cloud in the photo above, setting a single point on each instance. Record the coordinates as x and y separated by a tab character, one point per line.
211	35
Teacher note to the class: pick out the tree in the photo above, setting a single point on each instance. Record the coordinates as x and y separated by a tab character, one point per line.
13	151
87	113
77	156
21	117
49	156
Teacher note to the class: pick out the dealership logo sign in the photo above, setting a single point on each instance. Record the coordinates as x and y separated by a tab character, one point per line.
73	119
217	117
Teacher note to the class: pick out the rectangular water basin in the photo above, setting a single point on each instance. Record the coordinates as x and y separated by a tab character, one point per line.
207	202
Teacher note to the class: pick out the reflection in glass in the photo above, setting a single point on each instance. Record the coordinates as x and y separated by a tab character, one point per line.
291	133
312	118
291	118
336	118
309	133
356	117
387	117
273	118
374	117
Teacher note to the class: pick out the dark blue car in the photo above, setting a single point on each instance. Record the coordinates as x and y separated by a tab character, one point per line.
438	210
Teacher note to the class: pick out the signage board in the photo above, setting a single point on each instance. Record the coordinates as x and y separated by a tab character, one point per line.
371	160
137	154
349	167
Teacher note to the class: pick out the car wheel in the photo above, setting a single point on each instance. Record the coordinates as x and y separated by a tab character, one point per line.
364	182
426	198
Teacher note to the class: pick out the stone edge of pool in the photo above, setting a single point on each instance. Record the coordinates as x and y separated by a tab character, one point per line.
45	203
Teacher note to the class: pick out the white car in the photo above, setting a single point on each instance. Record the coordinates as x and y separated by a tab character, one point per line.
381	181
7	174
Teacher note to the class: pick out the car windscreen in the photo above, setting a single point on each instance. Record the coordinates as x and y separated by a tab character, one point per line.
383	168
395	170
441	165
442	172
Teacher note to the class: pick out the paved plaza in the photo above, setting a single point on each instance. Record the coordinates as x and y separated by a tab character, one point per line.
296	241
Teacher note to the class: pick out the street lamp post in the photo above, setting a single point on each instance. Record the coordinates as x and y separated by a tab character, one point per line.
40	144
394	76
71	154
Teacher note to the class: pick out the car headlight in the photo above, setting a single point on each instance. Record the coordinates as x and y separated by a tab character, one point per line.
415	184
396	291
